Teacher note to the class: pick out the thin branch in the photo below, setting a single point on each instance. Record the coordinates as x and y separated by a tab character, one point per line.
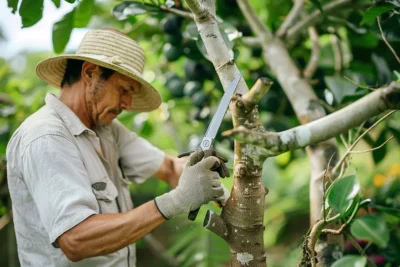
215	224
195	7
254	21
337	53
335	231
185	14
4	221
316	17
358	140
359	85
359	130
372	149
315	53
315	131
344	141
328	107
386	41
251	41
258	91
291	17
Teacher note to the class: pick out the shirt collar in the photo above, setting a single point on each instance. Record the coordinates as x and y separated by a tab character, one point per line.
73	123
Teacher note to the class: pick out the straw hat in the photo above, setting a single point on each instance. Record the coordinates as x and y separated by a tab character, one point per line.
110	49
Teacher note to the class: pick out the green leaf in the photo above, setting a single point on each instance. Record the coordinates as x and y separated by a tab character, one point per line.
70	1
13	4
368	40
56	3
342	192
396	76
83	12
351	261
318	5
379	154
393	2
372	228
31	12
62	32
395	132
132	8
340	87
375	11
389	210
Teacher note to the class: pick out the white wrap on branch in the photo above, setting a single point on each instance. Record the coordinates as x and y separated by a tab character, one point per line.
326	127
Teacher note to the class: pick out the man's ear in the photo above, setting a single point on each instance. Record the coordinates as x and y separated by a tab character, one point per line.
90	72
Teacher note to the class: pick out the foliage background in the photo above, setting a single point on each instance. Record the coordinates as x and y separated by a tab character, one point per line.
173	60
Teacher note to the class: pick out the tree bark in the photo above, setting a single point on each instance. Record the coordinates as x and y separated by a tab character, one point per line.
303	100
241	220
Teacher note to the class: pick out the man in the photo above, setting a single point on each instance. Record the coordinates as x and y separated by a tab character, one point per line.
70	163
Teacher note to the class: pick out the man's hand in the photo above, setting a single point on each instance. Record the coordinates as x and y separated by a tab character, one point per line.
221	169
197	186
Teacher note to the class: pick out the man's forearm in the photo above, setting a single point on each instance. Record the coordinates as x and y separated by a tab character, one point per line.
171	169
105	233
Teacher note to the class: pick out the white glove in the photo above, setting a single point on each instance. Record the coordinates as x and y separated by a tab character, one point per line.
197	186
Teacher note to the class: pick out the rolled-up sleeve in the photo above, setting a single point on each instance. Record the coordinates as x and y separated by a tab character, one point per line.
57	180
139	158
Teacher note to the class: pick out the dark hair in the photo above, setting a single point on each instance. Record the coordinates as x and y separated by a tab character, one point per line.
73	72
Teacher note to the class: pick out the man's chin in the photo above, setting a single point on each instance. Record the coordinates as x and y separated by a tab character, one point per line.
105	123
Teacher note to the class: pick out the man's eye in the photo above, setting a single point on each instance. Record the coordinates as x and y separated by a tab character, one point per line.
124	90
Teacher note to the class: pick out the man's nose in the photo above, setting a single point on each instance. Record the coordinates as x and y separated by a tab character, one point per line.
126	103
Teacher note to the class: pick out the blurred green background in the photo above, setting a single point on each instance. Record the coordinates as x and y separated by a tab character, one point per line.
177	66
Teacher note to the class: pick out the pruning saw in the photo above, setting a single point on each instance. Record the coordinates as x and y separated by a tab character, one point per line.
213	127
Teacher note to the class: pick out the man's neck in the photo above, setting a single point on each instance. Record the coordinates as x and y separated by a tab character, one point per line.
74	97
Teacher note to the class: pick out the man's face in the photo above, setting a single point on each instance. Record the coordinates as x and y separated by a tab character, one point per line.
106	99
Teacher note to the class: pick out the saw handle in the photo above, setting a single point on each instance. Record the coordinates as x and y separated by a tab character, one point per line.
209	152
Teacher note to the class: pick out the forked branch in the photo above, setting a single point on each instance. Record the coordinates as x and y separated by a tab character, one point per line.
316	131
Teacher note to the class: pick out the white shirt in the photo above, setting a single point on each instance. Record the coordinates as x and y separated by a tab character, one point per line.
58	176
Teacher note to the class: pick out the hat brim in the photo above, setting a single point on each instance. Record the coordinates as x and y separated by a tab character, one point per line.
52	71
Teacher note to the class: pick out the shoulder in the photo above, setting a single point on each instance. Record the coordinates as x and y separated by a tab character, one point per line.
120	131
42	123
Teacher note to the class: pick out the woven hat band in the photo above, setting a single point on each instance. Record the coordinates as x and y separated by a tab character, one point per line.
113	45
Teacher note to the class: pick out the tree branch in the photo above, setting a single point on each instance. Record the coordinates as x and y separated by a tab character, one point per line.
218	52
178	12
386	41
256	24
341	161
251	41
215	224
337	54
4	221
258	91
291	17
316	17
315	53
315	131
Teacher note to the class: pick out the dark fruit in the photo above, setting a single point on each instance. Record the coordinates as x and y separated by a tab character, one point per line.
197	71
256	51
174	39
200	99
191	50
171	24
171	52
244	29
174	84
191	88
